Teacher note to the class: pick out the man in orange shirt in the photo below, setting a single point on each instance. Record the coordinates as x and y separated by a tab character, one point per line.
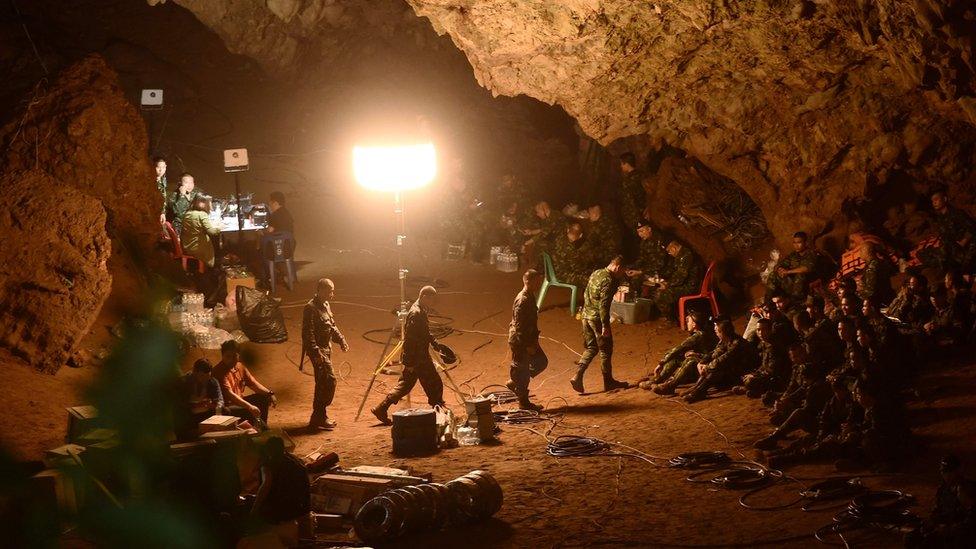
234	379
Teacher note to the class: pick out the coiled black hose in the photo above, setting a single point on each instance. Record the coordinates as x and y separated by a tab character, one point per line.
576	446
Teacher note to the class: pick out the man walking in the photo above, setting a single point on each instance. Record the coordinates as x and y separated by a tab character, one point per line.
528	359
417	364
319	332
596	325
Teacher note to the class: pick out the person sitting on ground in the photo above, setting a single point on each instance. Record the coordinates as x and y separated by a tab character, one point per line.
855	356
960	295
846	288
603	232
197	231
793	274
947	327
814	395
773	374
884	434
572	256
952	523
781	313
200	398
284	494
731	358
180	201
653	258
912	305
804	372
820	339
235	379
884	328
680	364
957	234
683	277
832	438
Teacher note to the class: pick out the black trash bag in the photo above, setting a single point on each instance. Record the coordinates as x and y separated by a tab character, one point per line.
261	319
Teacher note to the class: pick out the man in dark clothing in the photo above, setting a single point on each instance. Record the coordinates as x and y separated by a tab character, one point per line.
284	495
820	339
952	523
596	325
200	398
528	359
732	358
794	273
319	332
957	234
417	364
279	218
680	364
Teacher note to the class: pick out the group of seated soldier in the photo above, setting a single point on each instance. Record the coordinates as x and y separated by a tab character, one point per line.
834	362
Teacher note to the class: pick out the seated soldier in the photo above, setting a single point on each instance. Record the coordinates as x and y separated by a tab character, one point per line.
572	256
200	398
653	258
235	379
912	306
874	281
773	374
884	328
680	364
832	438
884	435
794	273
197	230
604	235
947	326
541	229
683	277
957	235
792	397
820	339
809	397
180	201
731	358
854	356
961	297
952	522
847	288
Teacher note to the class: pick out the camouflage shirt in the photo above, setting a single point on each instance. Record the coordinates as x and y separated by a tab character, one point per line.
699	341
633	199
955	225
161	187
736	356
598	295
685	272
572	261
653	258
604	236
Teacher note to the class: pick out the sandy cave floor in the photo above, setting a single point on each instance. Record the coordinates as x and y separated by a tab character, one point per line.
607	501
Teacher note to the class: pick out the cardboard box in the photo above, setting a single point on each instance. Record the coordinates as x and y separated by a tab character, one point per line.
344	495
325	523
61	455
185	449
58	490
219	423
95	436
233	283
81	419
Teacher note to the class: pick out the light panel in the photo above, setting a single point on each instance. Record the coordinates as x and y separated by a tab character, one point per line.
396	168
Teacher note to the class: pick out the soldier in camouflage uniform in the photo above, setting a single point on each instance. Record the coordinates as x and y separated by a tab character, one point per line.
464	219
682	278
528	359
653	258
572	257
596	325
874	282
633	199
773	374
180	201
603	232
680	364
793	273
957	233
160	165
731	358
541	229
805	398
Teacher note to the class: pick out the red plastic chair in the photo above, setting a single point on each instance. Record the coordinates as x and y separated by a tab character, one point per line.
707	292
178	250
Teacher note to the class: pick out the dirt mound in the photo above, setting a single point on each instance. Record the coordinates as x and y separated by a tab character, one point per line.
75	159
53	267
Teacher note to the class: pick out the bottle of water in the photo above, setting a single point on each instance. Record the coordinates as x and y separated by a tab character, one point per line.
468	436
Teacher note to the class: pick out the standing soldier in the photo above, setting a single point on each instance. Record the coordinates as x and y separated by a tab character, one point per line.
417	364
634	197
319	332
528	359
160	164
596	325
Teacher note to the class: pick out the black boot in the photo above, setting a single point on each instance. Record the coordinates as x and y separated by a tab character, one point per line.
380	411
610	384
577	381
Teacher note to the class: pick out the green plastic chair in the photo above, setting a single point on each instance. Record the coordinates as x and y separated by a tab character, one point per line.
551	280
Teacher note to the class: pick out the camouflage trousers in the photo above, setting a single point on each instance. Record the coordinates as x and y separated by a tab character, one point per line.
595	343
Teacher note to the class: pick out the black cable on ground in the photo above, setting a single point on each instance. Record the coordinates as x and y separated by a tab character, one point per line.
576	446
697	460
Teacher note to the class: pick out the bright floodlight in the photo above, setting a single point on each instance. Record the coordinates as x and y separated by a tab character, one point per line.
394	168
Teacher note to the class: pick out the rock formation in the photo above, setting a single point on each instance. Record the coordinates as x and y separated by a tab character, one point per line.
81	207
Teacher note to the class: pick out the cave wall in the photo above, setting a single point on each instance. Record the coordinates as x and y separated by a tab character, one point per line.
81	211
802	103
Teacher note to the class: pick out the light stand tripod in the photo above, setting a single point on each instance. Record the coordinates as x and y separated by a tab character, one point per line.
392	356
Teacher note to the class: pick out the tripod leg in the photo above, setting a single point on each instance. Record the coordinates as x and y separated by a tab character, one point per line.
385	359
450	380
